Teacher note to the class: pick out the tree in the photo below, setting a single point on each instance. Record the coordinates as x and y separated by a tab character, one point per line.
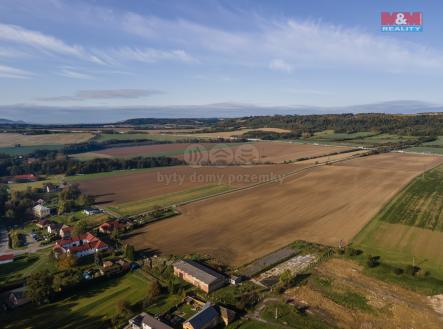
66	262
39	287
153	291
4	196
81	227
130	252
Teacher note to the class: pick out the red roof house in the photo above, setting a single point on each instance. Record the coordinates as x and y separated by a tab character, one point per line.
86	244
7	258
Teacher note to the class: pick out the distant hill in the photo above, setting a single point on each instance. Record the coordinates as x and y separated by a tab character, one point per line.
10	122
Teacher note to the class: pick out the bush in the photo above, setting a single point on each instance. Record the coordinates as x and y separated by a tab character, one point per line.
373	261
398	271
354	252
412	270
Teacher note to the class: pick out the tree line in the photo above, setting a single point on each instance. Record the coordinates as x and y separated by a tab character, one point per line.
64	165
409	125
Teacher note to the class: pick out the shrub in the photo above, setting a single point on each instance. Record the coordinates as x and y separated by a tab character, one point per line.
373	261
398	271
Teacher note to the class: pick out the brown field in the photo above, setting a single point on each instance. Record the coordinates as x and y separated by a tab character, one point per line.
324	205
273	152
234	133
11	139
132	186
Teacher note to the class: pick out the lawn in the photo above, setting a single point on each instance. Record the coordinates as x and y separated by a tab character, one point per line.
131	208
25	265
289	316
54	179
87	309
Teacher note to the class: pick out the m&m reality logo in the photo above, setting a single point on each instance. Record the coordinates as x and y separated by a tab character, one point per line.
401	21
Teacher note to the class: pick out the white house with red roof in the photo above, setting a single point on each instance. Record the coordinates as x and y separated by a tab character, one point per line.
79	246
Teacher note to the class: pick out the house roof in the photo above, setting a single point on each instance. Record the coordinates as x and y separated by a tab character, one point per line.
40	207
26	176
207	314
6	257
150	321
199	271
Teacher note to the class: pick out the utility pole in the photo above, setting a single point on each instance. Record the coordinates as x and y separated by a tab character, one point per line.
276	313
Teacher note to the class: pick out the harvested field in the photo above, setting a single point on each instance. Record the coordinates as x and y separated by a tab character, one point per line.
234	133
273	152
131	186
11	139
323	205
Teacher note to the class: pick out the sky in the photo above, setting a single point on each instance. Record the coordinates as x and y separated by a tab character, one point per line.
99	61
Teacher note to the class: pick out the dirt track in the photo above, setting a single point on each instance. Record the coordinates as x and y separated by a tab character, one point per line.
322	205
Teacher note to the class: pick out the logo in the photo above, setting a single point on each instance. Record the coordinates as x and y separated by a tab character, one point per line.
401	21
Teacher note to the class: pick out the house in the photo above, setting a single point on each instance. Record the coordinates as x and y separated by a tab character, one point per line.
91	211
84	245
7	258
207	317
17	297
40	201
54	228
109	227
199	275
234	280
51	188
107	263
43	223
41	211
25	178
146	321
65	231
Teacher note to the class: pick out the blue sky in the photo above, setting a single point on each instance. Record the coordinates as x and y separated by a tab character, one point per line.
98	56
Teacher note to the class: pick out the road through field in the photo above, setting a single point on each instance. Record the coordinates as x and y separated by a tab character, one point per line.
324	204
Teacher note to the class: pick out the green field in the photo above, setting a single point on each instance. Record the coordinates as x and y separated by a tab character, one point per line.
420	203
365	138
426	149
24	265
410	227
92	308
135	207
23	150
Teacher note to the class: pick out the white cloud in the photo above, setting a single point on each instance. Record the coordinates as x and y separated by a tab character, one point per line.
43	42
82	95
14	73
280	65
73	74
150	55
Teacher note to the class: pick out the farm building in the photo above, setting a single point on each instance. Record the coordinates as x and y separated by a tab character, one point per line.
199	275
8	258
42	223
51	188
25	178
210	316
41	211
54	228
108	227
65	231
91	211
146	321
86	244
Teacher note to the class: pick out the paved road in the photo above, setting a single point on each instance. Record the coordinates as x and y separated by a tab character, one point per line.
31	245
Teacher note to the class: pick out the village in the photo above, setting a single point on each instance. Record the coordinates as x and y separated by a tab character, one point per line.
96	252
